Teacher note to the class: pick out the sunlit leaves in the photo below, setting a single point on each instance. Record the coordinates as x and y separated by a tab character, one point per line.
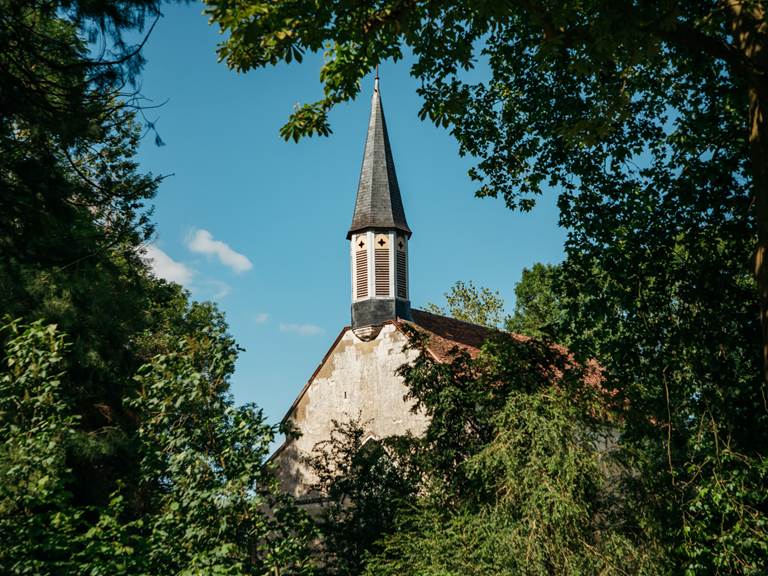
306	120
477	305
208	502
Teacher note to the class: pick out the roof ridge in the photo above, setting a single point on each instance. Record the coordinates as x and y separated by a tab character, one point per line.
454	319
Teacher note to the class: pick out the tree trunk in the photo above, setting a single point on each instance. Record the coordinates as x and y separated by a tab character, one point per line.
748	27
758	141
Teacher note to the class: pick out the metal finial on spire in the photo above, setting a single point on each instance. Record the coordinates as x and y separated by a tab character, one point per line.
376	80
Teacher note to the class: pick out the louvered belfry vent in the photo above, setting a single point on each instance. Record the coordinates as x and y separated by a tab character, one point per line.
381	261
361	274
401	271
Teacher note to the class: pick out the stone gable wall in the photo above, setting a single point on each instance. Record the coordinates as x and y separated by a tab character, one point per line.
357	379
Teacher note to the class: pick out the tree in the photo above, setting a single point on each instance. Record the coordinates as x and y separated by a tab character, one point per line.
121	450
73	218
208	502
550	506
622	77
471	304
364	483
539	311
648	119
516	474
464	396
68	131
35	426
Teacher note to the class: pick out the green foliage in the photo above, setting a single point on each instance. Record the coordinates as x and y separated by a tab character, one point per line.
219	507
208	504
35	426
122	451
635	113
552	508
463	398
266	33
72	211
67	133
469	303
731	496
517	473
680	346
539	311
365	482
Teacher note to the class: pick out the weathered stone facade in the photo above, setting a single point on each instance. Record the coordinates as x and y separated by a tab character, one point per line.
356	379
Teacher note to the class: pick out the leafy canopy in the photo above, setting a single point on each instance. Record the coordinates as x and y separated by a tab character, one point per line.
518	473
121	450
467	302
207	502
539	308
365	483
648	120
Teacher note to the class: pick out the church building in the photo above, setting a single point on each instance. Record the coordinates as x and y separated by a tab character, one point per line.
357	377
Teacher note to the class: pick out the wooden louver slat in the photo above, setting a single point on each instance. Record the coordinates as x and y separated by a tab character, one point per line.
361	274
381	265
400	269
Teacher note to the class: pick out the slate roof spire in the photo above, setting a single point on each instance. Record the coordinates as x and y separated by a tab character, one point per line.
378	203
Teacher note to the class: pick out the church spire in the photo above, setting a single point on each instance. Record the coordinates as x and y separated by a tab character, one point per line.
378	203
379	232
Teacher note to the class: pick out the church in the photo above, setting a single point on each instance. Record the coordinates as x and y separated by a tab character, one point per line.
357	377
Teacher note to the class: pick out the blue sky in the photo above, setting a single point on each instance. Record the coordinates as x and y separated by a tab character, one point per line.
258	225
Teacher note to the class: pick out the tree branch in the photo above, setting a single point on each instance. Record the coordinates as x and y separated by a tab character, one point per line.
693	40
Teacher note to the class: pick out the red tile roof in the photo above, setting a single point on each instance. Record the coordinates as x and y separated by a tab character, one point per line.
447	333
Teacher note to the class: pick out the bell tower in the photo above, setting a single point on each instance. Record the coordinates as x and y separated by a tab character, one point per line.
379	232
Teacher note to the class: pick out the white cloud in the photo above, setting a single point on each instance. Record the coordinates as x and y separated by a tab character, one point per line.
165	267
302	329
261	317
202	242
218	289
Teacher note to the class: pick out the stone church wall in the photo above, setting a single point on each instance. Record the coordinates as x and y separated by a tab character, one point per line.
357	379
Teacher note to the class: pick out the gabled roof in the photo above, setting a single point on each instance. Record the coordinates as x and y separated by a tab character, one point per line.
378	203
444	335
447	333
